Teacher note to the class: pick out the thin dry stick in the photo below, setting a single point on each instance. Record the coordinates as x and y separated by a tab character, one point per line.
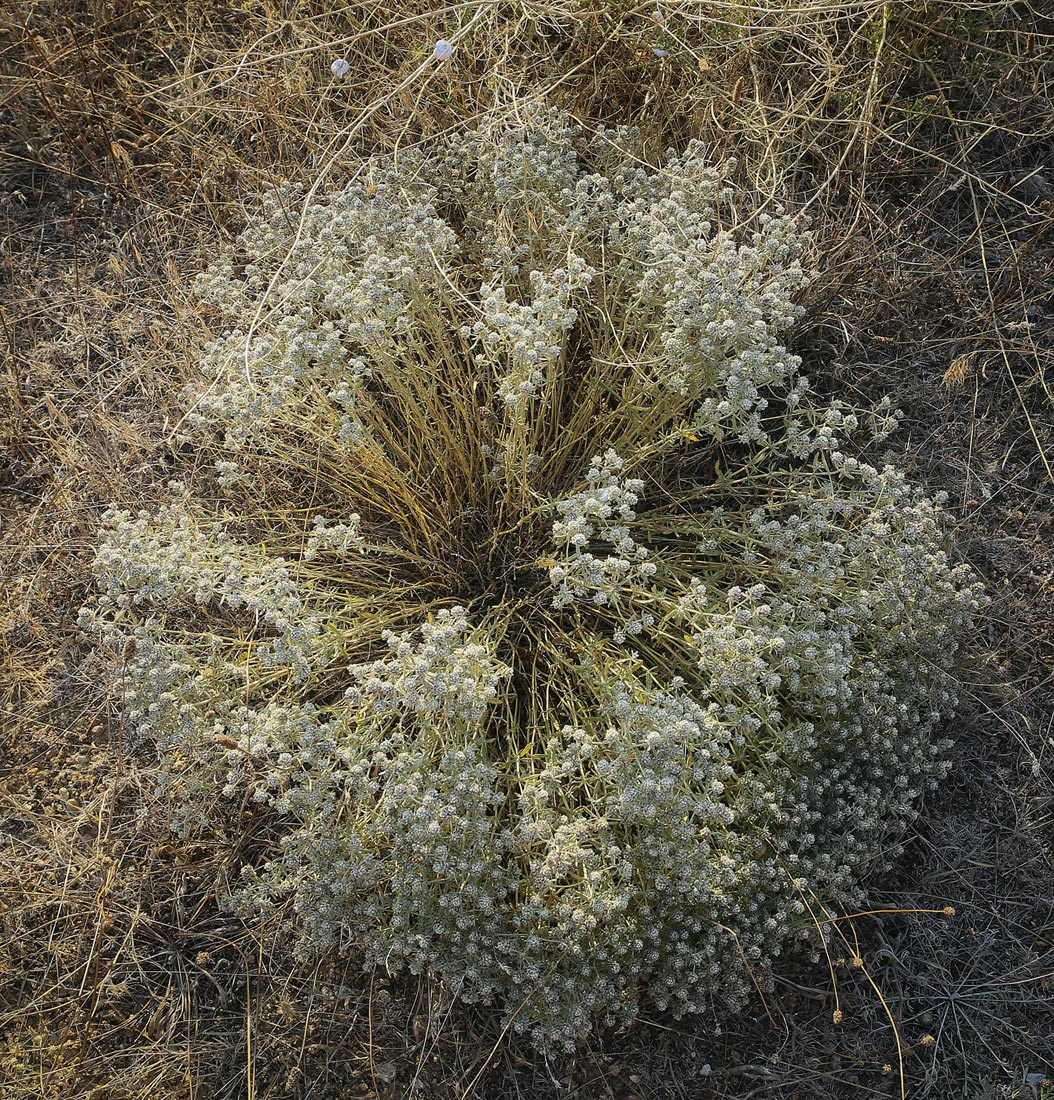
1002	342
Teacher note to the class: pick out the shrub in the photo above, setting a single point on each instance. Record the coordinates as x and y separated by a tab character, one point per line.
536	604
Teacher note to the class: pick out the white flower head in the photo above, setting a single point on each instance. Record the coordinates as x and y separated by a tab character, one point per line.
444	50
341	67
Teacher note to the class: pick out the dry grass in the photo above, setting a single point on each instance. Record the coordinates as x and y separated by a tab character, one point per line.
918	138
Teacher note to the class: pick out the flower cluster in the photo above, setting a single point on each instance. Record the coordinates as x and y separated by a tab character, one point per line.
349	273
530	337
172	559
442	674
569	641
604	511
338	537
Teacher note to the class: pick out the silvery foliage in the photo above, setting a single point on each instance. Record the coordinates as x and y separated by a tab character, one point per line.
748	671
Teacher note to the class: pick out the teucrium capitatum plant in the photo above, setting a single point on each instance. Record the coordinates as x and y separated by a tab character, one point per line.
537	601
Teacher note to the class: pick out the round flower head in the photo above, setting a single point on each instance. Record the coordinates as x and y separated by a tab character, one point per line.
341	67
444	50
